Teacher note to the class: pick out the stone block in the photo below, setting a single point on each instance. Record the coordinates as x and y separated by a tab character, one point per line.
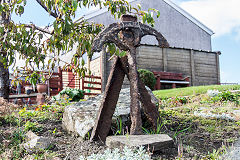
79	118
153	142
38	143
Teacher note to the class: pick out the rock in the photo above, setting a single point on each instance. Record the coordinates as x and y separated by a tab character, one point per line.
6	143
154	142
28	157
37	143
235	91
30	135
79	118
229	116
153	98
213	93
7	155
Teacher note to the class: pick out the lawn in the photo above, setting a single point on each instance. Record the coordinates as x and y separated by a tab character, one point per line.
193	90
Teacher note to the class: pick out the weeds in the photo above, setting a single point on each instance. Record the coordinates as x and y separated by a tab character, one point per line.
119	126
33	126
17	137
153	131
22	121
216	154
223	97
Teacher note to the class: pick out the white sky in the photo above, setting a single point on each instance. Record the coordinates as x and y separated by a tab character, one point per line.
222	16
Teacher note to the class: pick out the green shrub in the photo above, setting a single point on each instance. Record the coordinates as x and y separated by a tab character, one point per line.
73	93
147	78
227	96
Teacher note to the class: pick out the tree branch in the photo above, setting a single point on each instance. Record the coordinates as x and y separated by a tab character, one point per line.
54	14
38	28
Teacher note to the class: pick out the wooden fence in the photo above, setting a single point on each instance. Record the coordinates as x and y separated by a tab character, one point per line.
92	85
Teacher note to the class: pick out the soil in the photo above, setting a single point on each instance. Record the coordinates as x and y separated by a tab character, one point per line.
193	143
68	147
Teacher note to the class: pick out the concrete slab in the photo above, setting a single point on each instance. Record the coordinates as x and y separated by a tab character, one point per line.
154	142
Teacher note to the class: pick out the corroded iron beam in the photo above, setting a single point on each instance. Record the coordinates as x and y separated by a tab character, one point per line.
109	102
149	108
110	34
135	110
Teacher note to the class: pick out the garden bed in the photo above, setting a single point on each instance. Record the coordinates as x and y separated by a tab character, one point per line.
195	136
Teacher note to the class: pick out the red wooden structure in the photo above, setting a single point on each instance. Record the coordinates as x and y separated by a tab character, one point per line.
55	83
92	85
169	78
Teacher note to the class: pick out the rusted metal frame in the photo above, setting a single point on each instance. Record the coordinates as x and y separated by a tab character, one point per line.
108	105
141	29
138	91
135	110
149	108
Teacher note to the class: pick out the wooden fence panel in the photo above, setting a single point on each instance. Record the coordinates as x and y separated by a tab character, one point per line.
92	85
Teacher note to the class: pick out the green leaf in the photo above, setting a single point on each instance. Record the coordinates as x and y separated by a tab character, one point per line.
40	36
122	54
19	1
1	8
158	14
75	4
139	6
2	30
20	10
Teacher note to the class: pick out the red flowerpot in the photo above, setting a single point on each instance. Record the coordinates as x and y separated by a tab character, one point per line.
42	88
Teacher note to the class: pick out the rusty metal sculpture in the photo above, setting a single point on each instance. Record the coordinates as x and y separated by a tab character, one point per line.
126	36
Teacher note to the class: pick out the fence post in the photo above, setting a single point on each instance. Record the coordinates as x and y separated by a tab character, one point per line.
83	84
101	84
71	79
158	84
192	63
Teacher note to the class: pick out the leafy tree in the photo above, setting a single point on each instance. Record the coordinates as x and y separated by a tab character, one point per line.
27	39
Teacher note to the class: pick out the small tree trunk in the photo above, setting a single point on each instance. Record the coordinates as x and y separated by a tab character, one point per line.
4	73
135	111
4	82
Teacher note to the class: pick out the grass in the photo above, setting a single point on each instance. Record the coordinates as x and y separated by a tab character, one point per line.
189	91
200	137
